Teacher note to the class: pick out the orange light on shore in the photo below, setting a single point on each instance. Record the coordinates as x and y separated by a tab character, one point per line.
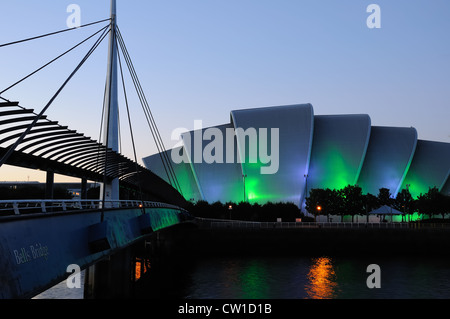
319	208
141	267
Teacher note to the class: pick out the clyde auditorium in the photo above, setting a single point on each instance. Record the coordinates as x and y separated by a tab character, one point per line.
314	151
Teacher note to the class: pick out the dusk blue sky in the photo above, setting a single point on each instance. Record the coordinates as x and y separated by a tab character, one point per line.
200	59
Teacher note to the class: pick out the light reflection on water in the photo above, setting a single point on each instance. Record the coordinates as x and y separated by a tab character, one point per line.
317	278
322	279
293	277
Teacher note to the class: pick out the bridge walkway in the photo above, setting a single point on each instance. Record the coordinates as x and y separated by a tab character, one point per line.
40	239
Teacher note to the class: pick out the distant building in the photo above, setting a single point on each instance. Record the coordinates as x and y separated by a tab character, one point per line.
322	151
73	188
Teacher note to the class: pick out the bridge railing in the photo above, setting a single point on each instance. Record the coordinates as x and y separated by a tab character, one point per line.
274	225
21	207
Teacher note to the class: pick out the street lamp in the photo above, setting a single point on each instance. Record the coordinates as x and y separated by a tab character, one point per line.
318	208
306	184
406	202
306	187
244	176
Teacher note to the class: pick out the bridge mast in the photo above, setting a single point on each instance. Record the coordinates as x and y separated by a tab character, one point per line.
110	189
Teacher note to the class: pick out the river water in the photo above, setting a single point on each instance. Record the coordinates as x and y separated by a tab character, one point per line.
290	277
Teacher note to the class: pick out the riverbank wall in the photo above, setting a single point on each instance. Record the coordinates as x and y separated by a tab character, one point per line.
317	241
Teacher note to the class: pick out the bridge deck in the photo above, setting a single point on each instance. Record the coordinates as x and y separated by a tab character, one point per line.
37	248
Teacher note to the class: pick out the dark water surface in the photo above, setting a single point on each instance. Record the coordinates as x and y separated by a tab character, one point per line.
289	277
294	277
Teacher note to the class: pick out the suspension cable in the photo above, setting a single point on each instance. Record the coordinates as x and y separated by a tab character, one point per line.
154	130
131	127
52	33
148	113
145	113
149	116
20	139
50	62
101	127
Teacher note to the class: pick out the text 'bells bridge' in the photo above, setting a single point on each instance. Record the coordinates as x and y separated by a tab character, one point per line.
39	239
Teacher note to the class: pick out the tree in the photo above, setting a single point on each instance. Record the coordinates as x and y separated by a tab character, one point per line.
313	200
422	205
218	209
324	202
433	202
333	202
404	202
268	212
316	202
385	197
352	200
242	211
202	209
371	202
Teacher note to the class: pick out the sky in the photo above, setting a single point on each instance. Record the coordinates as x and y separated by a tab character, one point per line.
201	59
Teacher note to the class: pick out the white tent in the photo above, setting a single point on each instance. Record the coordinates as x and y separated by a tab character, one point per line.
386	210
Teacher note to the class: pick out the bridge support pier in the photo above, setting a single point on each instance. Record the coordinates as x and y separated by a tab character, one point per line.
118	276
50	181
83	188
111	277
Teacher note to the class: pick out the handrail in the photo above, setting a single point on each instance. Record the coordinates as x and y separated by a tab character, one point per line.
283	225
239	224
18	207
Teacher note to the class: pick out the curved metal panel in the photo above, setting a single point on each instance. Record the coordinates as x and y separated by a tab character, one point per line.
446	189
388	158
430	167
217	171
25	126
63	148
88	152
338	150
93	164
54	134
20	119
50	146
182	171
16	112
73	150
43	143
33	131
61	140
284	132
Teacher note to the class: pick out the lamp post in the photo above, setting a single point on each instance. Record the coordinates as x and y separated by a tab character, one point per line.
306	187
318	209
407	192
244	176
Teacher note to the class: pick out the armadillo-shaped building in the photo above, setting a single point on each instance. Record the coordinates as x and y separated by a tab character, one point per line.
278	154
